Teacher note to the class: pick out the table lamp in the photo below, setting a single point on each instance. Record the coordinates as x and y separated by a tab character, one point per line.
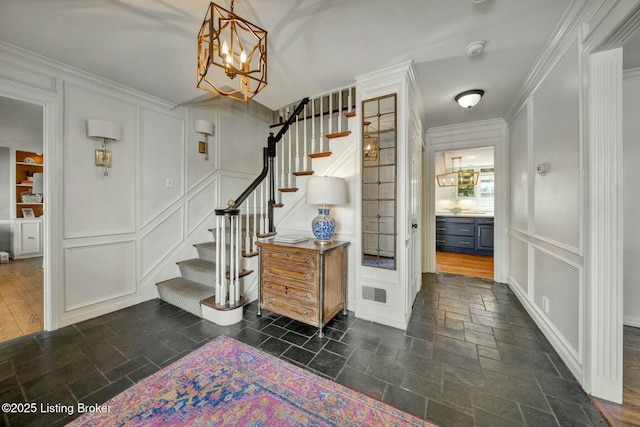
325	190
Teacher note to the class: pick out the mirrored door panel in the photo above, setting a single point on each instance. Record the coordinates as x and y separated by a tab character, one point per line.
379	188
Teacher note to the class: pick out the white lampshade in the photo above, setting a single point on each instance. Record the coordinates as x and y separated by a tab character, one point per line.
38	183
203	126
103	129
469	98
327	190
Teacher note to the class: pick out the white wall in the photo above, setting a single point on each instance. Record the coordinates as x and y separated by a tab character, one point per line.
110	239
631	198
546	260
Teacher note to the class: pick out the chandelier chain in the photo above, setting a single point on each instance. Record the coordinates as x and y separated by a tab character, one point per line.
232	5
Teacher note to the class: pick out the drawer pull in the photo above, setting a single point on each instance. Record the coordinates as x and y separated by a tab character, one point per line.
465	229
465	243
440	241
306	313
269	286
269	270
441	229
306	260
306	278
270	255
288	255
305	295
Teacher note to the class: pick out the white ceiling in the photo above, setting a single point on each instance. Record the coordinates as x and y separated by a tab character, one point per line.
313	45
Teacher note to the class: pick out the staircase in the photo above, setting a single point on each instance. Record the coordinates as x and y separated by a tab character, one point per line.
216	294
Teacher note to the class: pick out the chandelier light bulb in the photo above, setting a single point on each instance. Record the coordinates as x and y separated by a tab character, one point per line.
225	48
243	57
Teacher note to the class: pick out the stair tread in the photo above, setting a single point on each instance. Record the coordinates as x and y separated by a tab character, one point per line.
303	173
181	281
242	273
199	263
317	155
338	134
288	190
350	114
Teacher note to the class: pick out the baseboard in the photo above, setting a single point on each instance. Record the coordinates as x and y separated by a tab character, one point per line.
633	321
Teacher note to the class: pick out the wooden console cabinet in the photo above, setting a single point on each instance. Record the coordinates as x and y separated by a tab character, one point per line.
303	281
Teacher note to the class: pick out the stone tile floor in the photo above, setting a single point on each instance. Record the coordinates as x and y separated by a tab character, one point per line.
471	356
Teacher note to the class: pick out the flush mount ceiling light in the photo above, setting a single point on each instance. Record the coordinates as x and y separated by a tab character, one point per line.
469	98
238	47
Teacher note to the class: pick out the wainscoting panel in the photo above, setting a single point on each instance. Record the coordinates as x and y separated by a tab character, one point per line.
94	204
98	273
558	294
519	170
556	140
162	160
202	203
519	264
161	240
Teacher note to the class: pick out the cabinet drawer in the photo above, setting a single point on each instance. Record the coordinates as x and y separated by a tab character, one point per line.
461	229
467	242
287	274
299	260
306	295
485	221
455	220
289	307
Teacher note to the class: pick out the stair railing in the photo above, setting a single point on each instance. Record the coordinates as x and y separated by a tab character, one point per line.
227	290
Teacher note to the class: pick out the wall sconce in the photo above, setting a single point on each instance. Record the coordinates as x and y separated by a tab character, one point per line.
205	128
108	132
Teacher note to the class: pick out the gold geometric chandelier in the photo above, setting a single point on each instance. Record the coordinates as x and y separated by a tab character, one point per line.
238	47
459	177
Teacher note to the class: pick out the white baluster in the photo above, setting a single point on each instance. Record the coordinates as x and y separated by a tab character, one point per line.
233	253
306	159
330	113
236	294
313	127
247	231
349	101
255	220
340	111
283	179
223	263
321	141
298	166
261	208
218	257
290	179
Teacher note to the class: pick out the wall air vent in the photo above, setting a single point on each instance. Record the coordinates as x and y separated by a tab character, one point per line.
374	294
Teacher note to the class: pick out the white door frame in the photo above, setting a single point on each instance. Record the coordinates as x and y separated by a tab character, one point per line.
488	133
52	224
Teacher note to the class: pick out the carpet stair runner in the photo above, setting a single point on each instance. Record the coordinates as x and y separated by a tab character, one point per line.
197	279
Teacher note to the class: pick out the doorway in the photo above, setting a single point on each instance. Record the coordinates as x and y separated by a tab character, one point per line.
22	299
464	211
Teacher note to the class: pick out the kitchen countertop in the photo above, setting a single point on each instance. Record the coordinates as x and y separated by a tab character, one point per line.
467	214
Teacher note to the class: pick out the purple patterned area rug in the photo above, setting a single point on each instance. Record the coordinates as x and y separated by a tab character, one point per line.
228	383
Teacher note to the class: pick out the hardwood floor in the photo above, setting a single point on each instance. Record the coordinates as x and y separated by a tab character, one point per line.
627	414
464	264
21	298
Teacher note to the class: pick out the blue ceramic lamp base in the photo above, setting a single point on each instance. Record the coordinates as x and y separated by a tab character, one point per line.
323	226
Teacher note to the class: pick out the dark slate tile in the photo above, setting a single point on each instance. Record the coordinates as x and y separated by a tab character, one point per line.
385	370
126	368
360	359
511	388
334	334
315	343
447	416
301	328
457	394
87	384
470	378
503	408
143	372
562	389
453	359
479	338
362	341
299	355
42	385
405	400
327	363
251	337
489	353
525	357
421	330
203	330
275	346
568	414
339	348
422	386
521	372
186	319
366	384
422	348
61	338
418	365
535	417
456	346
274	331
105	393
487	419
294	338
174	338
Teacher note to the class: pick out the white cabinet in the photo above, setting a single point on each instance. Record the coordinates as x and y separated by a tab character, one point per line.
27	238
